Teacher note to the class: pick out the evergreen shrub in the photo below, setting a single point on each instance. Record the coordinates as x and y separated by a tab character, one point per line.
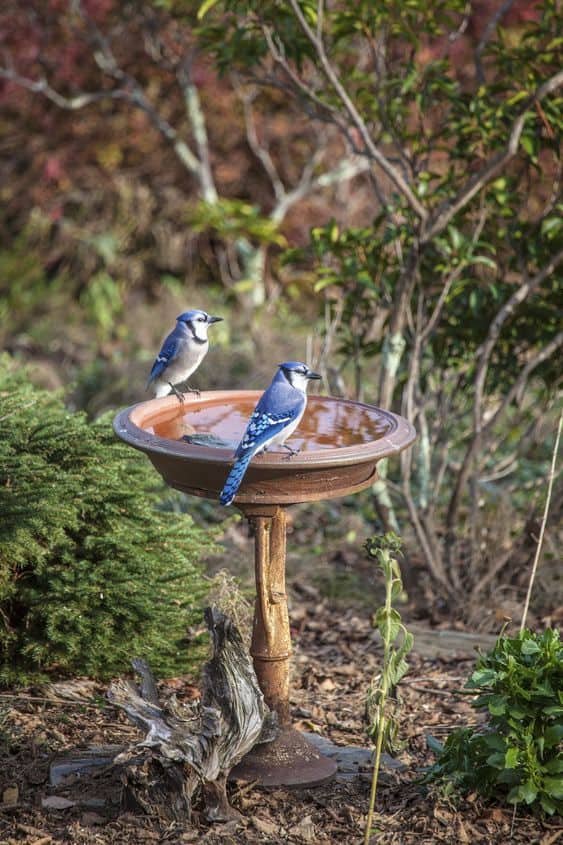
92	572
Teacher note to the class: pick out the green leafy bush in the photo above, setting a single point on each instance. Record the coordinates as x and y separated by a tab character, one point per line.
92	573
519	752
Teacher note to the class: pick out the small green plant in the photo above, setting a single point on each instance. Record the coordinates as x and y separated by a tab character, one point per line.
382	720
519	752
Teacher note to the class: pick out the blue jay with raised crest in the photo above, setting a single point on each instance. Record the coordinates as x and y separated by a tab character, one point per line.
275	418
181	353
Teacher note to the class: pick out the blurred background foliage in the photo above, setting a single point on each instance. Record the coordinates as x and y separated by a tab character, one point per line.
374	188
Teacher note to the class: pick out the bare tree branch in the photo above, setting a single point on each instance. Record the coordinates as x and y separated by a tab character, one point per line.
135	96
108	64
347	168
394	175
504	314
197	122
79	101
450	281
497	162
534	362
480	438
429	549
501	560
325	111
260	151
488	33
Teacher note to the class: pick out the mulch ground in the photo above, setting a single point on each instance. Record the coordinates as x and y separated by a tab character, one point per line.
336	655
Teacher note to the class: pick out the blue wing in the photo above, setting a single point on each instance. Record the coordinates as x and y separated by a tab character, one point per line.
262	427
167	354
260	430
278	407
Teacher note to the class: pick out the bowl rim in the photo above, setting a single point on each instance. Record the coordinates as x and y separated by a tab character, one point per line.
128	426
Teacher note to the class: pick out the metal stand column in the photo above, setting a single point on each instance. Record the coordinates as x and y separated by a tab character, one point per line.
290	759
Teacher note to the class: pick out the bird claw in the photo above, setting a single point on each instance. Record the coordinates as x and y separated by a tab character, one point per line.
291	451
193	390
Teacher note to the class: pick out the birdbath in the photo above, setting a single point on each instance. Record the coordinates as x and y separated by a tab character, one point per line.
340	443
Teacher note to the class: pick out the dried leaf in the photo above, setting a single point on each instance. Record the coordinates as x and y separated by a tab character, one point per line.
10	796
265	826
305	830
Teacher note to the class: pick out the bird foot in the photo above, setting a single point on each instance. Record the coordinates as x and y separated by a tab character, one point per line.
188	389
291	451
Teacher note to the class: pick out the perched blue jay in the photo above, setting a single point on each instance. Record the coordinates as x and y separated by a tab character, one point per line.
275	418
182	352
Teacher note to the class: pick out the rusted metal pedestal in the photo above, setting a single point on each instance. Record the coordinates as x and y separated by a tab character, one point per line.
290	759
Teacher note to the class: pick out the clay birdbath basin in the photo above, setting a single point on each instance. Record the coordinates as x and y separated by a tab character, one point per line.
340	443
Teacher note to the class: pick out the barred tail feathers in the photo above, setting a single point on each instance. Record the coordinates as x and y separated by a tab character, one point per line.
234	479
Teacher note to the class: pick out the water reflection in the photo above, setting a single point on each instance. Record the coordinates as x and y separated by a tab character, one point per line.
326	424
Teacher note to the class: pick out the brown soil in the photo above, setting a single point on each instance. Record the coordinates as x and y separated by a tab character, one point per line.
336	655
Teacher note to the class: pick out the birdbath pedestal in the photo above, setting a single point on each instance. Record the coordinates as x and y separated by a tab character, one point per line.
340	443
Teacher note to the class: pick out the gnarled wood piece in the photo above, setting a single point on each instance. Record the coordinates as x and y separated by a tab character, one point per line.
196	745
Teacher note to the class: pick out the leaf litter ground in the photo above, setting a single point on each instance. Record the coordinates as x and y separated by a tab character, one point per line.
336	654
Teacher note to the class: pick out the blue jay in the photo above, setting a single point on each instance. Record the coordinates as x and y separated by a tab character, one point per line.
275	418
182	352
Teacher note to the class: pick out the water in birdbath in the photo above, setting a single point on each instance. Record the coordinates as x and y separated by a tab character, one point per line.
326	424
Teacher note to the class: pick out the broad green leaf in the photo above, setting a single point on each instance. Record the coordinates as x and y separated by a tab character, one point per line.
482	677
553	735
528	791
511	758
553	786
497	705
528	144
547	804
495	741
530	647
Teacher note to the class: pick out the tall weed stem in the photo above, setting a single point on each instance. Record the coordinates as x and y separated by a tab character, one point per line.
388	622
551	478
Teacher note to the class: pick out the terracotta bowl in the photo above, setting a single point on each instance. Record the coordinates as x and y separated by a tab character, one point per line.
340	443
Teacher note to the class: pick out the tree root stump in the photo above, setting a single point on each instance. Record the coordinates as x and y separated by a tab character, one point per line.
190	749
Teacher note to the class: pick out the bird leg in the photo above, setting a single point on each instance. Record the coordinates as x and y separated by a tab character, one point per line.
176	392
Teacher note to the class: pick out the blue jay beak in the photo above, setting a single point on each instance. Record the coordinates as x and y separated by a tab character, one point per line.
211	319
313	375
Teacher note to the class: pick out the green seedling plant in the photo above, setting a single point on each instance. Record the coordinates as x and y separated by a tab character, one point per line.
397	642
518	753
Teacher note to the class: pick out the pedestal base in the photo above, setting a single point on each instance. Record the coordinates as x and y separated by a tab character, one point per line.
290	760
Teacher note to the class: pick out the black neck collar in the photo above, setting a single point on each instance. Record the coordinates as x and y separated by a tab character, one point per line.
195	338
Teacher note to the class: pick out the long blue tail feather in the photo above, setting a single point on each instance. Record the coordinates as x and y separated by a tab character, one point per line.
236	475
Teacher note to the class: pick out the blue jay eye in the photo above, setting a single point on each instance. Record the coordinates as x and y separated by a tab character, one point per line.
201	319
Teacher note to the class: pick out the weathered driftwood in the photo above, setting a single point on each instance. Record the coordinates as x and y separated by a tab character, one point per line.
197	745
